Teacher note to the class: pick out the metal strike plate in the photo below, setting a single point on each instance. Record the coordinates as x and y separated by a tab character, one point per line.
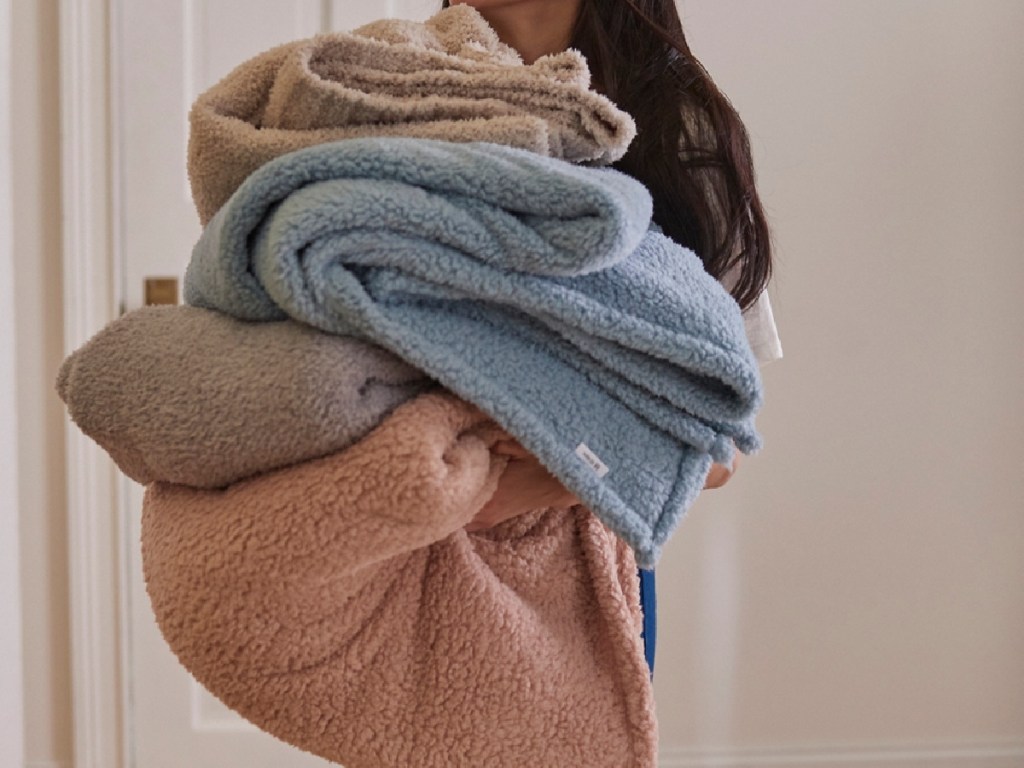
161	290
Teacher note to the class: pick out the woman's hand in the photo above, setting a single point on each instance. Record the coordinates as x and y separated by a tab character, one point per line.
720	473
524	485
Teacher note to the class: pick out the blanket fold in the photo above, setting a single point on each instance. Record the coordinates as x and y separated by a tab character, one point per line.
447	78
531	287
185	395
340	605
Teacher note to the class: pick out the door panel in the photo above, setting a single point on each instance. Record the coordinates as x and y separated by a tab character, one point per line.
166	54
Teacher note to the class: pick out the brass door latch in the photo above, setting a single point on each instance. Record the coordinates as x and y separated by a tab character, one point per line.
160	290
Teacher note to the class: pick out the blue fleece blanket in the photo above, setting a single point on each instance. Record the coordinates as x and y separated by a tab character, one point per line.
531	287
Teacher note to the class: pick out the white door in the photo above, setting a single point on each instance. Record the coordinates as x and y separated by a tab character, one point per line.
164	54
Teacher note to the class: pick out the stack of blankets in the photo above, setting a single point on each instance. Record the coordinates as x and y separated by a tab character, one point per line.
412	251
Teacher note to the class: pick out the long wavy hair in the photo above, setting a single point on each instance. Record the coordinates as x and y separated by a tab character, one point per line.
692	151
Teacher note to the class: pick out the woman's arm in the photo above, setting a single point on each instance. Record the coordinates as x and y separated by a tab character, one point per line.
526	485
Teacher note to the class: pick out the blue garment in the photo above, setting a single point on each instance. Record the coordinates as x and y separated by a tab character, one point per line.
526	285
649	606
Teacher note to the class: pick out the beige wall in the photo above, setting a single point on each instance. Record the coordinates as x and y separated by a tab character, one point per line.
861	581
37	244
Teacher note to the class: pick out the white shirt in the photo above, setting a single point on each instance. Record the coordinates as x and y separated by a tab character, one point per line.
759	322
761	330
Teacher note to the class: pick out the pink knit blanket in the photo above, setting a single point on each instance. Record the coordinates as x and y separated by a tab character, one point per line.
341	606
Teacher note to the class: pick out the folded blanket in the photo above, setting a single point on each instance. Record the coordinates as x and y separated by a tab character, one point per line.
340	605
448	78
190	396
529	286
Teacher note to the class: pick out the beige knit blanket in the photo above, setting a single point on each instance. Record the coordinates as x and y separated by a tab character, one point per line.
447	78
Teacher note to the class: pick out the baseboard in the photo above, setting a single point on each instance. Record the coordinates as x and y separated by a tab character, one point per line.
977	755
982	755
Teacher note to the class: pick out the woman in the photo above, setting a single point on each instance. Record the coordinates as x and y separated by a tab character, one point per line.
692	153
340	603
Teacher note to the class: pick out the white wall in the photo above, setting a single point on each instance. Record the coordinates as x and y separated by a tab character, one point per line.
12	739
859	584
39	328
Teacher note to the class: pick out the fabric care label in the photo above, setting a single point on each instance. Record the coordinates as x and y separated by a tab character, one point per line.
599	467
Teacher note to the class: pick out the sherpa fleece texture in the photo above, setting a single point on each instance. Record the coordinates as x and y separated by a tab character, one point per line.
529	286
341	606
190	396
447	78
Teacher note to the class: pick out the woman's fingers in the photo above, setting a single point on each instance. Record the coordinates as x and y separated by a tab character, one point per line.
720	473
525	485
511	448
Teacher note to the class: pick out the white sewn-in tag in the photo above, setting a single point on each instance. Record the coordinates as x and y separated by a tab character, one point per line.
599	467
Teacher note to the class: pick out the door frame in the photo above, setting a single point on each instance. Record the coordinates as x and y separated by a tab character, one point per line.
12	729
90	261
96	504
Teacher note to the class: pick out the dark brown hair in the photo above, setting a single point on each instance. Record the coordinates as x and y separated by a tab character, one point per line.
692	150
